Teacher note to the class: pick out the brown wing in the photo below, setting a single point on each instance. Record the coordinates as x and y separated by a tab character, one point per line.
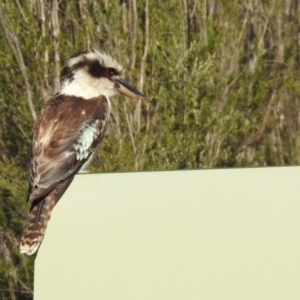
65	135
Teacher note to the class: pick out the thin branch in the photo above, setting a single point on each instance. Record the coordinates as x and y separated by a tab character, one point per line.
130	129
186	25
133	26
46	51
258	137
55	33
143	63
22	12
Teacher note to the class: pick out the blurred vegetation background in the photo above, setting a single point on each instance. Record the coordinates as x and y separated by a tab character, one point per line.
221	80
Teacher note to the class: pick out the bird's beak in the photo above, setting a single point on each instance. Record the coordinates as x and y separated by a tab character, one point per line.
126	89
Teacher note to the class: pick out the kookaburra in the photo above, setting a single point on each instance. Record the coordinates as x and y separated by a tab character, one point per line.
66	133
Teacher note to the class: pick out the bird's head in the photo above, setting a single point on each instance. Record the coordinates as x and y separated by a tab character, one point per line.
91	73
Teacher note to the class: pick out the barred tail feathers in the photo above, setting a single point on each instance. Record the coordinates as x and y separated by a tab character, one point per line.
37	224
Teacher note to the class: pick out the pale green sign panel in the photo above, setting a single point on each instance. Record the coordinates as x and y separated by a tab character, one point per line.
201	234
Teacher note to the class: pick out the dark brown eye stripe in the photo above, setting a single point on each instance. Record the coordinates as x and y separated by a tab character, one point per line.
94	68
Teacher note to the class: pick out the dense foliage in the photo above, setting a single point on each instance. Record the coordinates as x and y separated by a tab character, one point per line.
220	79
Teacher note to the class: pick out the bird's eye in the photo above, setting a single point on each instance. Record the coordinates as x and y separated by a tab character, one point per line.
111	72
